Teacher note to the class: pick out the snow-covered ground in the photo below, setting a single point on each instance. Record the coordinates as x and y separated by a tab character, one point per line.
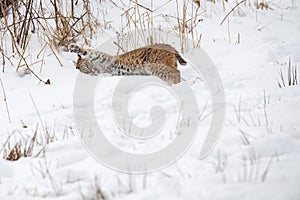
257	156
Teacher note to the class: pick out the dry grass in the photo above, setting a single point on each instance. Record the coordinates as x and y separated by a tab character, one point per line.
262	5
18	145
140	21
289	78
252	169
55	24
94	191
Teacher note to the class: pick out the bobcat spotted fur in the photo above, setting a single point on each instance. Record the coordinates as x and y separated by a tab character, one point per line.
158	60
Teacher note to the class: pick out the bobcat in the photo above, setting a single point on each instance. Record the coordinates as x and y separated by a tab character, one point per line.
159	60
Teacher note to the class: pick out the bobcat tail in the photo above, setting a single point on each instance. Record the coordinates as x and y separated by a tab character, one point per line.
180	59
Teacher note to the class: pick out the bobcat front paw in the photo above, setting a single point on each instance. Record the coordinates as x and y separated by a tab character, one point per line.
74	48
79	50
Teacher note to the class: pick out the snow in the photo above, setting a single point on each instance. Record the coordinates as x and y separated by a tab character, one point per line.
257	156
5	170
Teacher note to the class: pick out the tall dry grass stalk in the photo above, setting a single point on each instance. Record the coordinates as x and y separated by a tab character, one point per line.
188	19
5	100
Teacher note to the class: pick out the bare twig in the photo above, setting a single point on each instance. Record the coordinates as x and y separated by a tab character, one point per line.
40	118
232	11
5	101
